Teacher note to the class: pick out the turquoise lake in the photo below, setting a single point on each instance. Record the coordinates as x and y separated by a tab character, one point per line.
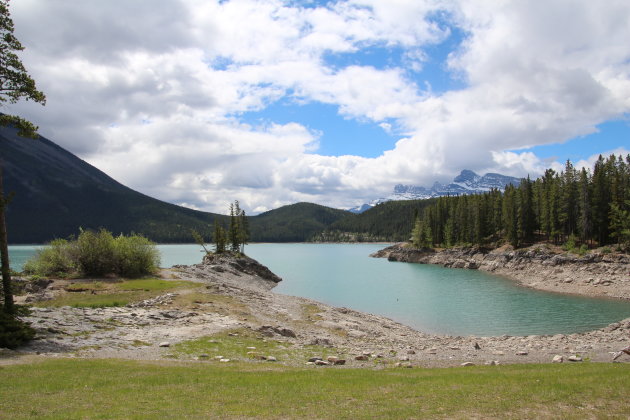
429	298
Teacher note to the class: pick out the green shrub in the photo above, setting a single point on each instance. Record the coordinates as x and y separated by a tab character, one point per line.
135	256
14	332
59	257
96	254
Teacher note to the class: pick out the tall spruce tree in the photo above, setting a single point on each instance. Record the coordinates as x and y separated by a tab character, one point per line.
15	84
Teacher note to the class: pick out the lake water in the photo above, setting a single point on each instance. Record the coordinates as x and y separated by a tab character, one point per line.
426	297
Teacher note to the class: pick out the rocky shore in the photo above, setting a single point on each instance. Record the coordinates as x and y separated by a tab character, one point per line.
538	267
235	296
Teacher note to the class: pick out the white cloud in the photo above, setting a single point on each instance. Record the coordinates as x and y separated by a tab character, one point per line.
152	92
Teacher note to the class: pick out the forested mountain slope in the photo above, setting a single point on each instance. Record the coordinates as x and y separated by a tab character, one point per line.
56	193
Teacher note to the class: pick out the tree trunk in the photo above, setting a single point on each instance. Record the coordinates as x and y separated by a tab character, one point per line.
4	252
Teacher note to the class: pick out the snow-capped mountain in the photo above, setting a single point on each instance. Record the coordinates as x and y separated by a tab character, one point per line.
467	182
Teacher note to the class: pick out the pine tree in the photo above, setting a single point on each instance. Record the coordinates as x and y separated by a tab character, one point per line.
15	84
585	213
219	237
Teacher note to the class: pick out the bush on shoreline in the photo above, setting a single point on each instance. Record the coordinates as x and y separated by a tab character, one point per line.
96	254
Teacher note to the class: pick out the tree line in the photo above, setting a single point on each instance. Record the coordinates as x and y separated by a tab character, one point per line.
591	208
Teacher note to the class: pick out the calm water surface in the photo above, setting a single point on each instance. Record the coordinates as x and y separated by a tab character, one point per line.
429	298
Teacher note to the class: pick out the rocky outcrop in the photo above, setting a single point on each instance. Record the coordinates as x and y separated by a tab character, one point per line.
241	263
594	274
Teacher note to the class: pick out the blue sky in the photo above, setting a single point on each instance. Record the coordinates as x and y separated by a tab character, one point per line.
610	135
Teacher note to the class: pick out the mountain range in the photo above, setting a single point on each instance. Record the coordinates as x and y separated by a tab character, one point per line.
56	193
467	182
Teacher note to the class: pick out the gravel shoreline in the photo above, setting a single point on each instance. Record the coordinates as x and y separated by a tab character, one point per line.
238	297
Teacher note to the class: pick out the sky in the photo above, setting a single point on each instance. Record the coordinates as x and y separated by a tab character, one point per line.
270	102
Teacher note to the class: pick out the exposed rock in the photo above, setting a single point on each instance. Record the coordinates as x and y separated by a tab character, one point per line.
467	364
321	342
575	358
164	344
240	263
557	359
536	267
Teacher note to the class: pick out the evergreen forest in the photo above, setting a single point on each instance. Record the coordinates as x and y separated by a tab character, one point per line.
574	207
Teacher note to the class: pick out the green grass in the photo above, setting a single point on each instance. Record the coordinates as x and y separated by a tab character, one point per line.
102	389
234	345
89	294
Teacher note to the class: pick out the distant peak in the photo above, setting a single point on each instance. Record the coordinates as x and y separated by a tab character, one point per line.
466	176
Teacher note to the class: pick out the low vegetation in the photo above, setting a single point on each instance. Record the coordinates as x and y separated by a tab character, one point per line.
106	293
61	389
247	345
96	254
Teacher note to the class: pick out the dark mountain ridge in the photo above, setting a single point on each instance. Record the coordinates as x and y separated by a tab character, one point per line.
56	193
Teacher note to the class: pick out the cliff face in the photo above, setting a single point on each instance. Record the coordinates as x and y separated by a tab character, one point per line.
594	274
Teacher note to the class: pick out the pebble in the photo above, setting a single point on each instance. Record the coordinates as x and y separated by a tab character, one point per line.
522	353
224	360
467	364
164	344
271	359
557	359
362	358
575	358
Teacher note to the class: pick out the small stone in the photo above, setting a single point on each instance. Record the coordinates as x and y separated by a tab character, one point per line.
314	359
522	353
321	363
332	359
454	348
557	359
164	344
362	358
224	360
271	359
575	358
410	351
251	348
340	362
203	356
467	364
218	357
260	357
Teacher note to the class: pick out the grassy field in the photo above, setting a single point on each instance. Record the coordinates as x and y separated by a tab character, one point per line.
99	294
100	389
